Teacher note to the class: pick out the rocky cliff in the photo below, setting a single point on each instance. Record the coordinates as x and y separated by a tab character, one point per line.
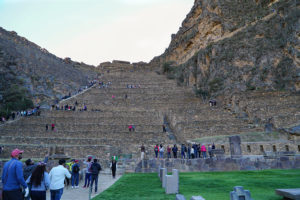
36	73
235	46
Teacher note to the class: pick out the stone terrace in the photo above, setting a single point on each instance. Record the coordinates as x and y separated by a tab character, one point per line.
103	129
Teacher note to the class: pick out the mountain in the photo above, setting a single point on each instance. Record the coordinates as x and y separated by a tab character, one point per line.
230	46
31	72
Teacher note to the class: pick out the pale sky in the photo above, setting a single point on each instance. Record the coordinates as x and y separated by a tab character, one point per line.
95	31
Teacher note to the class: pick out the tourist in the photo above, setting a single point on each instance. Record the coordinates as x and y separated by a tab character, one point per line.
193	153
198	150
142	152
113	167
195	147
95	169
30	167
183	150
175	149
164	129
203	151
189	151
47	127
161	151
39	181
1	149
209	151
130	128
87	179
169	151
213	146
53	127
156	150
75	174
12	178
57	176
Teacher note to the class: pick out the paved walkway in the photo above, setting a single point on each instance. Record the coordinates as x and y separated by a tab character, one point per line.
104	182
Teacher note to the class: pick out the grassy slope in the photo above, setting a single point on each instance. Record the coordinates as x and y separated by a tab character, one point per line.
210	185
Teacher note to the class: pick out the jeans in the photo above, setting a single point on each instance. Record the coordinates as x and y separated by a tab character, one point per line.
12	195
156	153
169	154
204	154
75	179
87	179
94	178
161	154
38	195
182	155
56	194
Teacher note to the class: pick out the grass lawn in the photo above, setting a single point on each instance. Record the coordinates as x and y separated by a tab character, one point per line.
210	185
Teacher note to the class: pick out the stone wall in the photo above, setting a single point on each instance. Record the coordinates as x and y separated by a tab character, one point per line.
214	164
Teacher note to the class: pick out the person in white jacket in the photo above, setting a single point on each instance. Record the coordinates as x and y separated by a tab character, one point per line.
57	176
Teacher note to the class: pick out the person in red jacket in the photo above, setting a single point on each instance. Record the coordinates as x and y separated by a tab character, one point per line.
203	151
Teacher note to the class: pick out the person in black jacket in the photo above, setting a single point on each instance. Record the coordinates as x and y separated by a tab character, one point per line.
175	149
95	169
113	167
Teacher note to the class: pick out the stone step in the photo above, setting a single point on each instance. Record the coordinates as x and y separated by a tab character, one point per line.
83	127
100	120
76	134
98	114
83	141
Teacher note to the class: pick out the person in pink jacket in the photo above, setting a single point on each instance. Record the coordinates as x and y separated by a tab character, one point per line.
203	150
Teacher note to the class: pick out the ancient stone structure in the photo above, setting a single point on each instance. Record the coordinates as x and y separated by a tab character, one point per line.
172	182
217	164
235	147
240	194
293	194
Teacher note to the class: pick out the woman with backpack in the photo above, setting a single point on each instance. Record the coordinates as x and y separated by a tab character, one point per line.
39	181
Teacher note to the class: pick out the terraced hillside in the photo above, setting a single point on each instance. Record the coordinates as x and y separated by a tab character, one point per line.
102	130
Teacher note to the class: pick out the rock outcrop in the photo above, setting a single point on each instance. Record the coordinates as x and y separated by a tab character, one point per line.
42	75
235	46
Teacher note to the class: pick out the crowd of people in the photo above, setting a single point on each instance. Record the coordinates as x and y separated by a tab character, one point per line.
24	113
133	86
35	180
68	107
191	151
104	85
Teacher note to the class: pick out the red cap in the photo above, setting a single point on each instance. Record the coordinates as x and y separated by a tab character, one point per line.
76	161
16	152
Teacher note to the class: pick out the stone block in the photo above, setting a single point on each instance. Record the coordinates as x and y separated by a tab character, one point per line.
172	182
235	146
164	173
293	194
179	197
197	198
240	194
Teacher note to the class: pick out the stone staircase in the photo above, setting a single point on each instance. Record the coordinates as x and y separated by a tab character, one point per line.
102	130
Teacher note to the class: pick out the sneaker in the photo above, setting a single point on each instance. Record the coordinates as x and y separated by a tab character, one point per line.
72	187
83	187
77	186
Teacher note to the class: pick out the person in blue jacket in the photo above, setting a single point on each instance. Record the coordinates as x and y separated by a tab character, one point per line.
12	178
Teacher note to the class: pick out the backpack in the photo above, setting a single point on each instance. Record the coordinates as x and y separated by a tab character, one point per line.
75	169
